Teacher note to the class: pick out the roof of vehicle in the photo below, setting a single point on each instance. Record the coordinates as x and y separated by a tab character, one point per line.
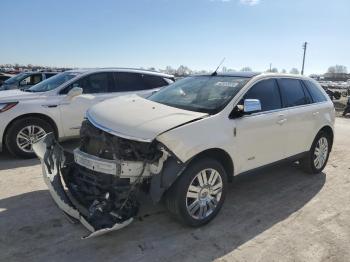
6	74
234	74
254	74
38	72
117	69
283	75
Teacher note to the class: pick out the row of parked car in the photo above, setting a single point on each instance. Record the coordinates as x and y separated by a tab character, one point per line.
47	102
182	142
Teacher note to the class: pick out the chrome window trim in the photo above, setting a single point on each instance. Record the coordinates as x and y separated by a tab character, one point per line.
110	131
283	109
275	110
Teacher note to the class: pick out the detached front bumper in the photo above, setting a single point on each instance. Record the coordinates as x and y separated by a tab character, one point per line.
54	159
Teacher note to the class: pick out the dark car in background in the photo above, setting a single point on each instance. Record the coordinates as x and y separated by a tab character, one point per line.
25	80
4	77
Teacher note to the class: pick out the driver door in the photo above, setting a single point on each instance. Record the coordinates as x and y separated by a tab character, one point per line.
95	89
261	136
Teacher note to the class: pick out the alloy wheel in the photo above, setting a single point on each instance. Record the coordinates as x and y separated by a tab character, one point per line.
28	135
321	152
204	193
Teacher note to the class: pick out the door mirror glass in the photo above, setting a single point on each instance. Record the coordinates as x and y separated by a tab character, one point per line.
75	91
251	106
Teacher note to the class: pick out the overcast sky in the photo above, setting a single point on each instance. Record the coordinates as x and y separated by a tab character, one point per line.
157	33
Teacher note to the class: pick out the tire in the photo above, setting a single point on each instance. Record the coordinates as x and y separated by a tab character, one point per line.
25	128
309	163
179	204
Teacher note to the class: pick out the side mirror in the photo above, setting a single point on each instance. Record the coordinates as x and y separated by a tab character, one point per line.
75	91
251	106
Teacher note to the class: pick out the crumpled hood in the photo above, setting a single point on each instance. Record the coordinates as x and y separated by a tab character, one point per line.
137	118
17	95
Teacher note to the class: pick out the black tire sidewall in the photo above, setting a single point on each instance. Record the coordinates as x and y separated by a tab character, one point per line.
18	125
184	182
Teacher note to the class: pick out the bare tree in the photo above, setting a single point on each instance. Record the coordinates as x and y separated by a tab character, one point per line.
283	71
338	69
170	70
294	71
246	69
183	70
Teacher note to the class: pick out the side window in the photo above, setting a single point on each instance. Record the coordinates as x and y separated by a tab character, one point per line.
36	79
268	94
153	81
31	80
292	92
94	83
25	81
315	91
49	75
128	82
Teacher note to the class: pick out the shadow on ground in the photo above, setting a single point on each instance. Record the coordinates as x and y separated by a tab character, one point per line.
32	227
8	161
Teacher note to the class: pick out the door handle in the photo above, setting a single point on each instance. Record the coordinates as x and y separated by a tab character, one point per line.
282	121
315	113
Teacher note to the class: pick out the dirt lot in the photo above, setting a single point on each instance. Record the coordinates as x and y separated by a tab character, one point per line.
277	214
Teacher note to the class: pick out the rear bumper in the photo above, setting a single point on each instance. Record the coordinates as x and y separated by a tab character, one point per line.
53	158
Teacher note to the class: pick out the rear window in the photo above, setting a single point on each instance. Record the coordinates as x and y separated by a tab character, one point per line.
127	82
292	92
154	81
49	75
315	91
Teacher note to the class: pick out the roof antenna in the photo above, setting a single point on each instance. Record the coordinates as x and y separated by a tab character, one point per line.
215	72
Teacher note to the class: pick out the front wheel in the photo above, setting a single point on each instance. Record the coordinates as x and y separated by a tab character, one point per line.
199	193
317	157
23	133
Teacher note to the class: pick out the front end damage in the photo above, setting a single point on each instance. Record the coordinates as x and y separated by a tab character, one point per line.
99	183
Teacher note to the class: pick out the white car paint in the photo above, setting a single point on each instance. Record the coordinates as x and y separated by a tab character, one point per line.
251	141
66	113
138	118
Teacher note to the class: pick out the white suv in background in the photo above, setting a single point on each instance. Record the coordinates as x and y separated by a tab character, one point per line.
184	143
59	103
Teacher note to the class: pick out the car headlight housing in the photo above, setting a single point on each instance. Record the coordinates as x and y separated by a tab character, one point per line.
7	106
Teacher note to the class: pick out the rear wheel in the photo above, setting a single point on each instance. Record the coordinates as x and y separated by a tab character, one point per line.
23	133
199	193
317	157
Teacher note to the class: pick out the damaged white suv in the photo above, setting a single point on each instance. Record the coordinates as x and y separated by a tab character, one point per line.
183	145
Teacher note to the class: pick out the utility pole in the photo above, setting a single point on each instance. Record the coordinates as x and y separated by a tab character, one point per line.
270	67
304	47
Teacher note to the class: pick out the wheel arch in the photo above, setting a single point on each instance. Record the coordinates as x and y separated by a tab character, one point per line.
33	115
329	131
173	169
221	156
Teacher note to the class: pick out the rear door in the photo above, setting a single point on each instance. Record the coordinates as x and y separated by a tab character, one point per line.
301	120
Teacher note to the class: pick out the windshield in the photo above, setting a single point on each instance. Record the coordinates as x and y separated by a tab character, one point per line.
53	82
208	94
16	78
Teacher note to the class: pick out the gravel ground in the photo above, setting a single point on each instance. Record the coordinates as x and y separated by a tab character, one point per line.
277	214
